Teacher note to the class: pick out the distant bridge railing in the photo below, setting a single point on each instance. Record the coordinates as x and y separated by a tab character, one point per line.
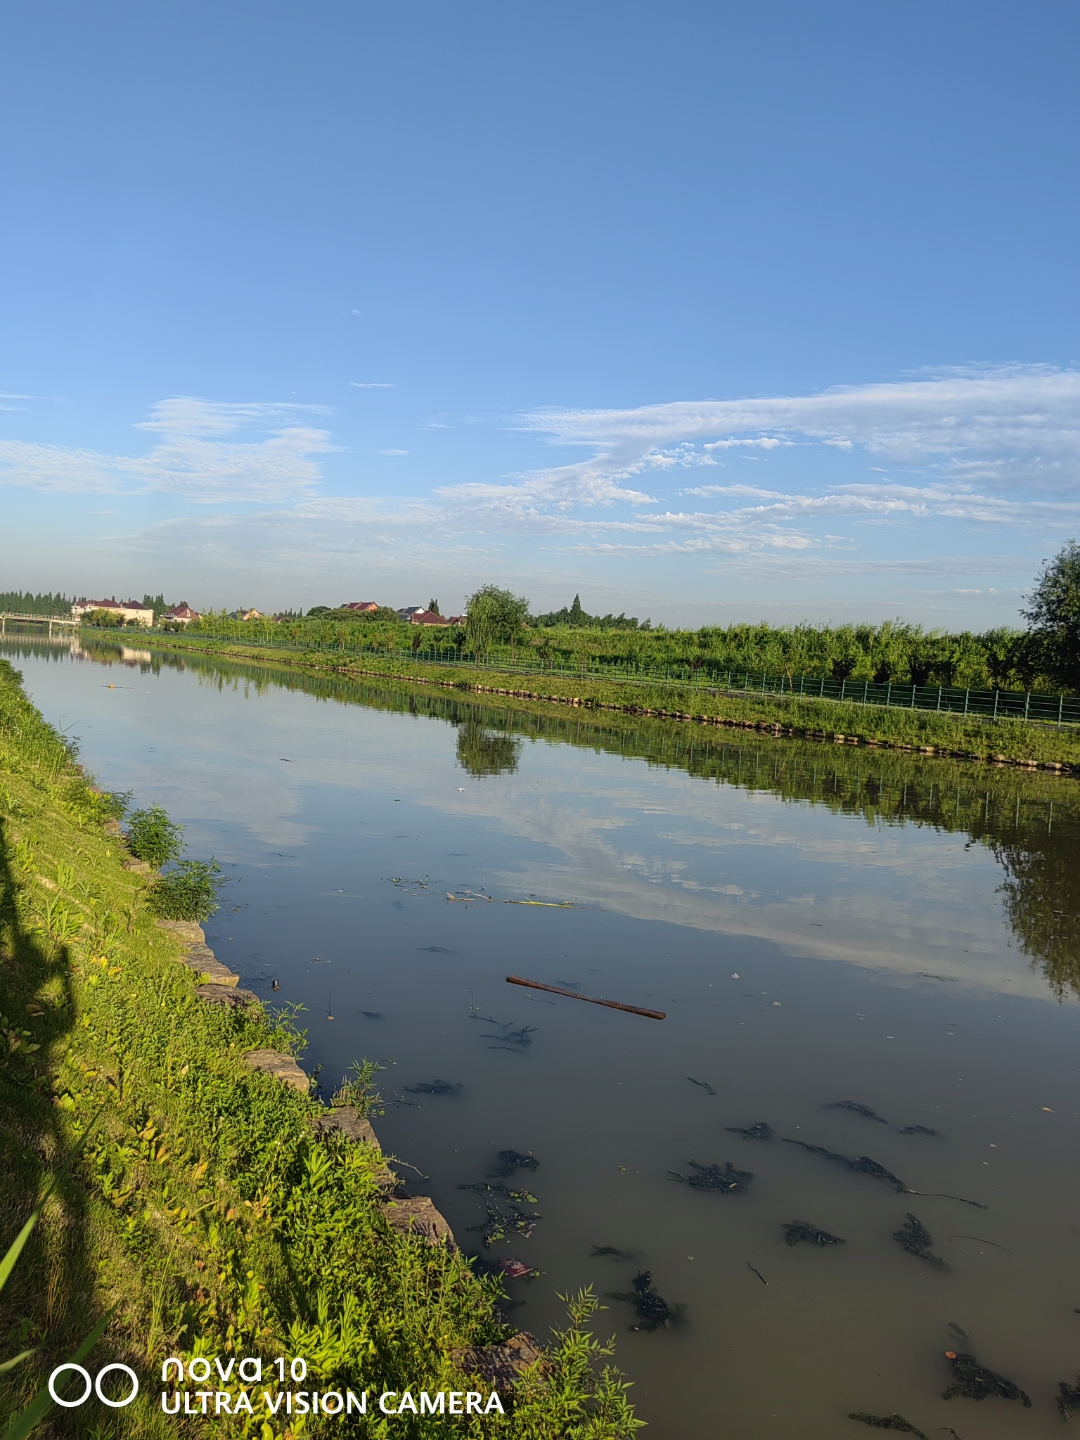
50	620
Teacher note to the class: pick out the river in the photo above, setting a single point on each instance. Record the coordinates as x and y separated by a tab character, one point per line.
824	926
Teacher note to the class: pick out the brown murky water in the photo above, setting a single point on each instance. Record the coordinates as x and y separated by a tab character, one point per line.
820	925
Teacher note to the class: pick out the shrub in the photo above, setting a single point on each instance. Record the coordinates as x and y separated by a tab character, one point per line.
153	837
189	891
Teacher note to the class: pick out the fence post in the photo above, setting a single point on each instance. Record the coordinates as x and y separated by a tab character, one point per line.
1027	702
967	697
888	694
996	694
913	697
1061	703
865	690
939	697
822	687
843	687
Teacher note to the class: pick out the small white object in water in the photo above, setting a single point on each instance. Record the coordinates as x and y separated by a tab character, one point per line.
735	975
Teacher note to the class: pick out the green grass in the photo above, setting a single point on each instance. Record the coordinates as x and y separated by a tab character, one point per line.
1001	740
202	1207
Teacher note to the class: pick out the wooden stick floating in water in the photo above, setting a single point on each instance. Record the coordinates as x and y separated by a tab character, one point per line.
558	990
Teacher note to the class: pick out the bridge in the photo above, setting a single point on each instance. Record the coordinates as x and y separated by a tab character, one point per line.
70	622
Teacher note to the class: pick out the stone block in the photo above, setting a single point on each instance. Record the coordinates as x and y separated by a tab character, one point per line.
499	1365
187	929
418	1216
281	1067
225	995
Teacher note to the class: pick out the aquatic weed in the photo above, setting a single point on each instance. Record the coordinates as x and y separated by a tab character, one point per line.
711	1177
976	1382
802	1230
653	1311
760	1131
511	1160
916	1240
887	1422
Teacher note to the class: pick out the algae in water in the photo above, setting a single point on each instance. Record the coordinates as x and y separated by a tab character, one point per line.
711	1177
803	1230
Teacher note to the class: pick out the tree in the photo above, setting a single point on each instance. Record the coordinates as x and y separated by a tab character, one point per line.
494	616
433	606
1053	615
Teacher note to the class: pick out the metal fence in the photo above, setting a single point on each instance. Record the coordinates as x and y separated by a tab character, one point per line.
1028	705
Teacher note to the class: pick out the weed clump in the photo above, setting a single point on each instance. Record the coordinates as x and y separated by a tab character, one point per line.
608	1252
652	1310
511	1160
887	1422
1069	1399
506	1211
760	1131
803	1230
153	837
434	1087
857	1109
189	891
862	1166
711	1177
975	1382
916	1240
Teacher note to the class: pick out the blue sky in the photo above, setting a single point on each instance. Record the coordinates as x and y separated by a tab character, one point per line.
710	312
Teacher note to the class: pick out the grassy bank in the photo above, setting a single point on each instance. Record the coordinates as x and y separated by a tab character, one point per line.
203	1207
1001	741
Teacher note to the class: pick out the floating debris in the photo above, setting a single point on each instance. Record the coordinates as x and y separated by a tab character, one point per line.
757	1272
589	999
803	1230
371	1014
466	895
547	904
702	1084
517	1269
609	1252
975	1382
436	950
511	1160
711	1177
1069	1399
862	1166
917	1130
433	1087
760	1131
980	1241
505	1211
400	880
887	1422
857	1109
653	1311
916	1240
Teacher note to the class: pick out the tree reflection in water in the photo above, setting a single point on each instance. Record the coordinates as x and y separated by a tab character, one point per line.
1029	820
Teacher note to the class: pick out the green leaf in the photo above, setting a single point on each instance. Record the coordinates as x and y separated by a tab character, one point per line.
17	1360
42	1403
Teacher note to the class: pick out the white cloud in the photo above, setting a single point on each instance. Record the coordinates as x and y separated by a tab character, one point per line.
191	460
371	384
393	452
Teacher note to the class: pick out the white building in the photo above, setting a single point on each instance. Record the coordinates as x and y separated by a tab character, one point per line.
125	610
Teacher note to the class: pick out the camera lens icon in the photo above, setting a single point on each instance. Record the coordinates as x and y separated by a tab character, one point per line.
94	1385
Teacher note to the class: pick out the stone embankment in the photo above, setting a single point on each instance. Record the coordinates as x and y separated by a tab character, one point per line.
414	1214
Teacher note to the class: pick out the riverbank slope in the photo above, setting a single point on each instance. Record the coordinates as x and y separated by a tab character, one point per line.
204	1210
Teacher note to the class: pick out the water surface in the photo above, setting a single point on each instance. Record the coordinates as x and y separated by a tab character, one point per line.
820	924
